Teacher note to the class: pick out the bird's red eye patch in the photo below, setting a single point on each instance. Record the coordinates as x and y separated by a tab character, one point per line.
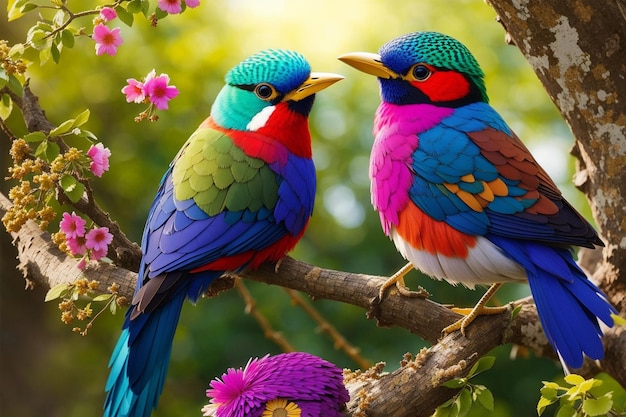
444	86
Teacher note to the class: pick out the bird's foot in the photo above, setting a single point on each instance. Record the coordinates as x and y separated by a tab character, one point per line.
397	279
470	315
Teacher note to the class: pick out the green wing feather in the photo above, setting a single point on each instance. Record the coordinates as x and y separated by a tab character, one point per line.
219	176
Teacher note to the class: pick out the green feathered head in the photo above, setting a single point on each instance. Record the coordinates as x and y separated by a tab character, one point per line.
264	80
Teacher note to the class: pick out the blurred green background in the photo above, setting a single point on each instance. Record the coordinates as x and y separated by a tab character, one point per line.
48	370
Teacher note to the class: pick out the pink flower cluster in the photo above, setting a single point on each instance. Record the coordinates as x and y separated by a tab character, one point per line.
153	89
93	244
107	40
99	159
176	6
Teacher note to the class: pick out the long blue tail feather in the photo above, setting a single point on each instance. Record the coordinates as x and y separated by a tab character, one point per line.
568	304
140	360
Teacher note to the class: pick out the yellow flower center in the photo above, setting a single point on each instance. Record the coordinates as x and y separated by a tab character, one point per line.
281	408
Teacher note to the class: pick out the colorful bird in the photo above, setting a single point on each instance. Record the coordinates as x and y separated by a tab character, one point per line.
295	384
463	199
239	193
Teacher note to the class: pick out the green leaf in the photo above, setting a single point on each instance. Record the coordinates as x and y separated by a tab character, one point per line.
485	398
102	297
67	38
549	393
17	49
543	403
55	53
63	128
14	9
126	17
6	106
59	18
81	119
34	137
49	151
483	364
57	291
442	411
565	410
72	188
455	383
464	403
44	56
134	6
574	379
15	85
598	406
113	308
37	38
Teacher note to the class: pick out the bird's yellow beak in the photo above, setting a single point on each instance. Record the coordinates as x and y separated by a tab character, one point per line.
317	81
369	63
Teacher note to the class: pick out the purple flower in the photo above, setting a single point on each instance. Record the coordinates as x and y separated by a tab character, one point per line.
158	90
107	40
192	3
99	159
292	384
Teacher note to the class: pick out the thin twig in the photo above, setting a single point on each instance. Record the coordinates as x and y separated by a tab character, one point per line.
270	333
324	325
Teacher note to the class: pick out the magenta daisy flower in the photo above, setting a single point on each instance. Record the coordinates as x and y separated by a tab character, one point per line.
99	159
108	14
98	239
170	6
289	384
158	90
107	40
72	225
134	91
76	245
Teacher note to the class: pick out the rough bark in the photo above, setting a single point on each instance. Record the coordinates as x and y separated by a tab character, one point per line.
577	49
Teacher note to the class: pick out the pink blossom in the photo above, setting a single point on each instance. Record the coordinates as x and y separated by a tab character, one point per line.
134	91
159	92
98	239
108	14
72	225
192	3
97	254
170	6
77	245
99	159
82	264
107	40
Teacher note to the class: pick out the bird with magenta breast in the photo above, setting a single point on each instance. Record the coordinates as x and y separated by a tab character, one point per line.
463	199
239	193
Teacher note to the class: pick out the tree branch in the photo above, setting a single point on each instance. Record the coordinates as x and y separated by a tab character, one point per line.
384	395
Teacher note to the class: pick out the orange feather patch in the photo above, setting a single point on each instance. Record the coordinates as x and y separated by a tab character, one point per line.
436	237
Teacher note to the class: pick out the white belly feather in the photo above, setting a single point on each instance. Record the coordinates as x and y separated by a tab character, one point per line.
485	263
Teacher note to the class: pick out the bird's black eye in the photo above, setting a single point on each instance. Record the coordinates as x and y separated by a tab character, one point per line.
421	72
264	91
